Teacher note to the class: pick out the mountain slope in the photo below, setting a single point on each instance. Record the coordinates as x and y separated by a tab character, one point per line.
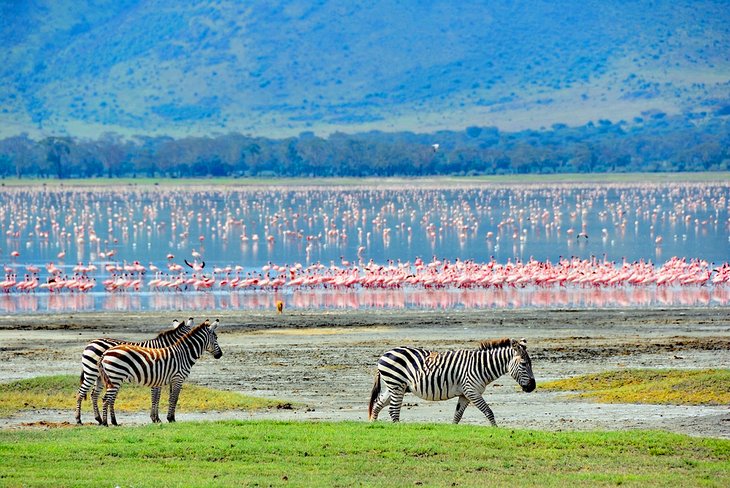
280	67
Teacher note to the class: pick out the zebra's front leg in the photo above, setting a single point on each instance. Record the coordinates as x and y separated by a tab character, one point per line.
155	409
396	401
175	387
460	407
478	401
382	401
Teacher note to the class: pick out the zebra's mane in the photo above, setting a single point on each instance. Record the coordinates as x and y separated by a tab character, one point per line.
168	332
194	330
495	344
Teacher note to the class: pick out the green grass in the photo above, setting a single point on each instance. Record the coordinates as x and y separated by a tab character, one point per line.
267	453
377	182
59	392
656	386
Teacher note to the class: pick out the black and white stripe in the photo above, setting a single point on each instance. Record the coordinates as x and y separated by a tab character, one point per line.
95	349
155	367
440	376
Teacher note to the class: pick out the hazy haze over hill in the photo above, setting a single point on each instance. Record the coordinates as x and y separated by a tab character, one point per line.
276	68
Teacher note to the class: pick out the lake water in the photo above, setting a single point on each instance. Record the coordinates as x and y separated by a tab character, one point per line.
257	228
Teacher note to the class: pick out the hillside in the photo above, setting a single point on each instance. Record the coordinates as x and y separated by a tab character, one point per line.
277	68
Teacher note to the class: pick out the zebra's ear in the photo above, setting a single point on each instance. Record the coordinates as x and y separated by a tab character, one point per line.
215	324
523	342
175	324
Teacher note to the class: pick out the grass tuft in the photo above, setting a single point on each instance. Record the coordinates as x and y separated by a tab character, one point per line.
654	386
59	392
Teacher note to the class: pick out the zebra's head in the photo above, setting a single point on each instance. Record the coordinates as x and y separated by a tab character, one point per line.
520	366
184	326
212	342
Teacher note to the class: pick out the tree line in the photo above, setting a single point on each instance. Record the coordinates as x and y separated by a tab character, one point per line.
652	144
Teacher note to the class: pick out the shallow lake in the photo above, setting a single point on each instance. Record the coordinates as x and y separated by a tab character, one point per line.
50	231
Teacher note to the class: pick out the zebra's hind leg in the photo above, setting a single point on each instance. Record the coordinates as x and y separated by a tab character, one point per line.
381	402
95	394
155	410
108	407
479	402
460	407
396	401
85	384
111	409
105	409
175	387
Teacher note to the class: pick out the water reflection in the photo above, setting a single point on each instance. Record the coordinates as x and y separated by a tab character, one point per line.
372	299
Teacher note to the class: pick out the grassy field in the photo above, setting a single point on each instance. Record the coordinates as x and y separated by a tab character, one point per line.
58	392
266	453
376	182
657	386
269	453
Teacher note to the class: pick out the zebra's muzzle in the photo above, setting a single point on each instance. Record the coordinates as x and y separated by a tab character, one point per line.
218	354
529	386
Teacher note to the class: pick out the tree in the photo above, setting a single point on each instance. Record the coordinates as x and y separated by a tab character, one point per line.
57	151
21	151
110	153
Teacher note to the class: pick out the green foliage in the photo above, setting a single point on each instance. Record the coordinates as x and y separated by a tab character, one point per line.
670	144
659	386
266	453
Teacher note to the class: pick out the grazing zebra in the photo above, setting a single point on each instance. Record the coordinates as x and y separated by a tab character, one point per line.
94	350
155	367
441	376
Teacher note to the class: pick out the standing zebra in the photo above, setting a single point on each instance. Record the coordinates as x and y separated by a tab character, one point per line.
155	367
441	376
92	355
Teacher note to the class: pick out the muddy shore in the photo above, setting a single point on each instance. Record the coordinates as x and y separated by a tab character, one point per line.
324	360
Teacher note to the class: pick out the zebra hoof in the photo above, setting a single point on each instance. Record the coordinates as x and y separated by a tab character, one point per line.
171	419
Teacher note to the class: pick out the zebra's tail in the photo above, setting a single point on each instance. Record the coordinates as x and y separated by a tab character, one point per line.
374	395
104	377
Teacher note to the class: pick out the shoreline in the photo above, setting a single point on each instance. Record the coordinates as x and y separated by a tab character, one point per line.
312	318
324	360
445	180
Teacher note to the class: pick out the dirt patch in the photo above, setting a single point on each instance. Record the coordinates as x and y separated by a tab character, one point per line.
44	424
325	360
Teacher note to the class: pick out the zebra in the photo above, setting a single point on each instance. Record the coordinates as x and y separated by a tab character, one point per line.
155	367
94	350
441	376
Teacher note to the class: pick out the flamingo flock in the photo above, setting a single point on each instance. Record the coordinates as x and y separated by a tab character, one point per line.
436	274
233	237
